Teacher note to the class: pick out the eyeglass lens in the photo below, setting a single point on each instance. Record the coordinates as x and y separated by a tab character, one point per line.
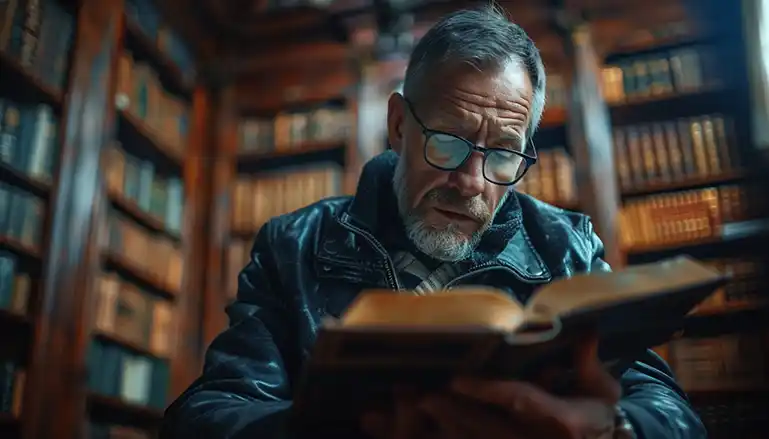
448	152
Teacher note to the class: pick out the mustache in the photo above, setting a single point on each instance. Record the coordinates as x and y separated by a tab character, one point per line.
474	207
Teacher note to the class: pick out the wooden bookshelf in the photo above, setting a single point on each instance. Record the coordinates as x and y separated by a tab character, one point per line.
70	233
25	213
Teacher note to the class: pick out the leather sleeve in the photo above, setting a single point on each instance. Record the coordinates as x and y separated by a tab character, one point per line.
244	390
655	404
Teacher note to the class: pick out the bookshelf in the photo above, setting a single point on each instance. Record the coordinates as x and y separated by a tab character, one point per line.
101	133
281	146
648	130
31	108
282	162
682	151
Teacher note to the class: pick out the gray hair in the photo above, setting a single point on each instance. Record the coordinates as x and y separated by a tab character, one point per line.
484	38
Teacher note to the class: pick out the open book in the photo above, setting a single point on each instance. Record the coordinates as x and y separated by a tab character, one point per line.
387	338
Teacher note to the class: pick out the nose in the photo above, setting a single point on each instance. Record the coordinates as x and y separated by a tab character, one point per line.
468	178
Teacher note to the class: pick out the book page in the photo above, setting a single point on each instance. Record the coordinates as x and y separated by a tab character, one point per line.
596	290
476	306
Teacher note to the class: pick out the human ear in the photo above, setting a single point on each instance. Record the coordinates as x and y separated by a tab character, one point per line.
396	116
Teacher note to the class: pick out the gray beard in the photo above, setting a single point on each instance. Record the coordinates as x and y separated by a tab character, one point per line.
447	244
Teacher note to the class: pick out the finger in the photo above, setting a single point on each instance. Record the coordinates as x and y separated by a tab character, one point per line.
460	419
538	413
513	396
593	380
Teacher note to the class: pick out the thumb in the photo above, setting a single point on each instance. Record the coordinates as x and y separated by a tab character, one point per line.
593	380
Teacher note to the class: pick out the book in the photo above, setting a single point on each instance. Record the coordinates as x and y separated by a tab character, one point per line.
386	338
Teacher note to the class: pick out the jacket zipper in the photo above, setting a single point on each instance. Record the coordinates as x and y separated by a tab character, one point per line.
389	266
482	268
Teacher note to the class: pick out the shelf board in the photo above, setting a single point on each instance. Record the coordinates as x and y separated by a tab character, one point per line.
670	107
145	219
131	272
139	139
20	249
112	410
18	179
730	232
145	49
20	85
125	344
310	152
686	184
738	320
681	247
652	46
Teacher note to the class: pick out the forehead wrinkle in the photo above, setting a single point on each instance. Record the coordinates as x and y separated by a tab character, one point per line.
506	112
468	116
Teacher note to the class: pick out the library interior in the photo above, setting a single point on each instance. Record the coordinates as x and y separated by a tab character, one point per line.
172	130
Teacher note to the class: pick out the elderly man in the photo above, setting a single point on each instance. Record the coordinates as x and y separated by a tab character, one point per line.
438	209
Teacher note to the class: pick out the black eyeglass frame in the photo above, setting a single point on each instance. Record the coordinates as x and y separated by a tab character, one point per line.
427	132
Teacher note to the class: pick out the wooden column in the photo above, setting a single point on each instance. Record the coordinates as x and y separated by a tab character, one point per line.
373	92
756	30
223	158
187	360
371	114
590	136
55	400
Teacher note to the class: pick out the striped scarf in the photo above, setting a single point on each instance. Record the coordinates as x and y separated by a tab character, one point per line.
414	275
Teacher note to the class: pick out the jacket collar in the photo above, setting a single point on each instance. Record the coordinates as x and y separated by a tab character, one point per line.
505	243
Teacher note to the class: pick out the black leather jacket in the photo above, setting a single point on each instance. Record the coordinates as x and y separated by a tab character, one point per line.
313	262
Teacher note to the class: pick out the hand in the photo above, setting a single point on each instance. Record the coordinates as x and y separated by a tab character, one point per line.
519	410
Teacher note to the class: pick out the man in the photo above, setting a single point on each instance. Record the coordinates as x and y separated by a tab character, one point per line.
439	210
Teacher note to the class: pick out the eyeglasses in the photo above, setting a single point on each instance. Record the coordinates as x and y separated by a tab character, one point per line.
448	152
